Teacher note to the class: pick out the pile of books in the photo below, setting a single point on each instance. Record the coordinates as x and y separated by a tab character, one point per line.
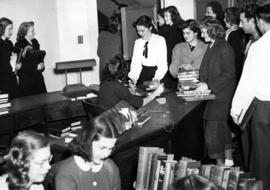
4	104
66	131
187	82
157	170
229	178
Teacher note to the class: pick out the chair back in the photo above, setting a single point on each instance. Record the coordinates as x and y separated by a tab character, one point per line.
92	109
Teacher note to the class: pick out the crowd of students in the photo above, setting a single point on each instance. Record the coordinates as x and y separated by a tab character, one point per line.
232	63
219	47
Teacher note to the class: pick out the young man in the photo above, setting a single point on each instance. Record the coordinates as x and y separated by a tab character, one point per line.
254	82
248	24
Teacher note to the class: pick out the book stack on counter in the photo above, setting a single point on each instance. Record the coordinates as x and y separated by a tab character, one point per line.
68	132
4	104
187	82
230	178
158	170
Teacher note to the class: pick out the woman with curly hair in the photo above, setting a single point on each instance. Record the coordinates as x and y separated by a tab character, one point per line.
114	87
90	167
27	162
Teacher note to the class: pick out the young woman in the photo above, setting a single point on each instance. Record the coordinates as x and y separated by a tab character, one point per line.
113	89
188	55
149	59
217	73
31	80
27	162
215	10
161	24
90	167
235	37
173	36
8	80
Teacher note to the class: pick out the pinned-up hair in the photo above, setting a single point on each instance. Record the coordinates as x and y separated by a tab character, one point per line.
17	162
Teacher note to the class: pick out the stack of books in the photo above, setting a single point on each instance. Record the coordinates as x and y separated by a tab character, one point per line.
4	104
187	82
158	170
65	130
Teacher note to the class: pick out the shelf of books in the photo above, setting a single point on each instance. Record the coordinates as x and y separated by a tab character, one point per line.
4	104
158	170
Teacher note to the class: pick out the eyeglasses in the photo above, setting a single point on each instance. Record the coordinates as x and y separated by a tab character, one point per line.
145	51
42	164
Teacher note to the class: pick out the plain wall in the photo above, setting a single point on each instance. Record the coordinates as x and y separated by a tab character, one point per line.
57	24
185	7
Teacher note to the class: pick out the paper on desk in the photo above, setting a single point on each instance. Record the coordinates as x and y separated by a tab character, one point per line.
161	100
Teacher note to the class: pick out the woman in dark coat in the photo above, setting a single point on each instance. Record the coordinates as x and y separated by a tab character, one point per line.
8	80
217	73
31	80
173	36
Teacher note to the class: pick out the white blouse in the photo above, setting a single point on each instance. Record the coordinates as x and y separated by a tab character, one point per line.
157	56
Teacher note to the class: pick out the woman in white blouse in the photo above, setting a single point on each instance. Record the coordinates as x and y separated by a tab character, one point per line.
149	60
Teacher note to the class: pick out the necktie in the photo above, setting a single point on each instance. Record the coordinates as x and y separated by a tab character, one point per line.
145	51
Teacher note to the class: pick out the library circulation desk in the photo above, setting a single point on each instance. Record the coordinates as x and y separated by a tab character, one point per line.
175	126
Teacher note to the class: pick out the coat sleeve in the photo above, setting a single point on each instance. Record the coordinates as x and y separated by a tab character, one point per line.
227	74
176	61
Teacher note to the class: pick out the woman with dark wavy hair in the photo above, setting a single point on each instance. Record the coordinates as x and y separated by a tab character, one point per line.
27	162
173	36
90	167
114	88
217	73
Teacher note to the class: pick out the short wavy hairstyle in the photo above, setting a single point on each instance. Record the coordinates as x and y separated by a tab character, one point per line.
116	69
217	9
193	182
145	21
17	162
232	15
103	125
192	25
175	15
23	29
4	22
214	28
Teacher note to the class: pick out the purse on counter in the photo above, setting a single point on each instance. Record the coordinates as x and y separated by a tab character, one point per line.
248	114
